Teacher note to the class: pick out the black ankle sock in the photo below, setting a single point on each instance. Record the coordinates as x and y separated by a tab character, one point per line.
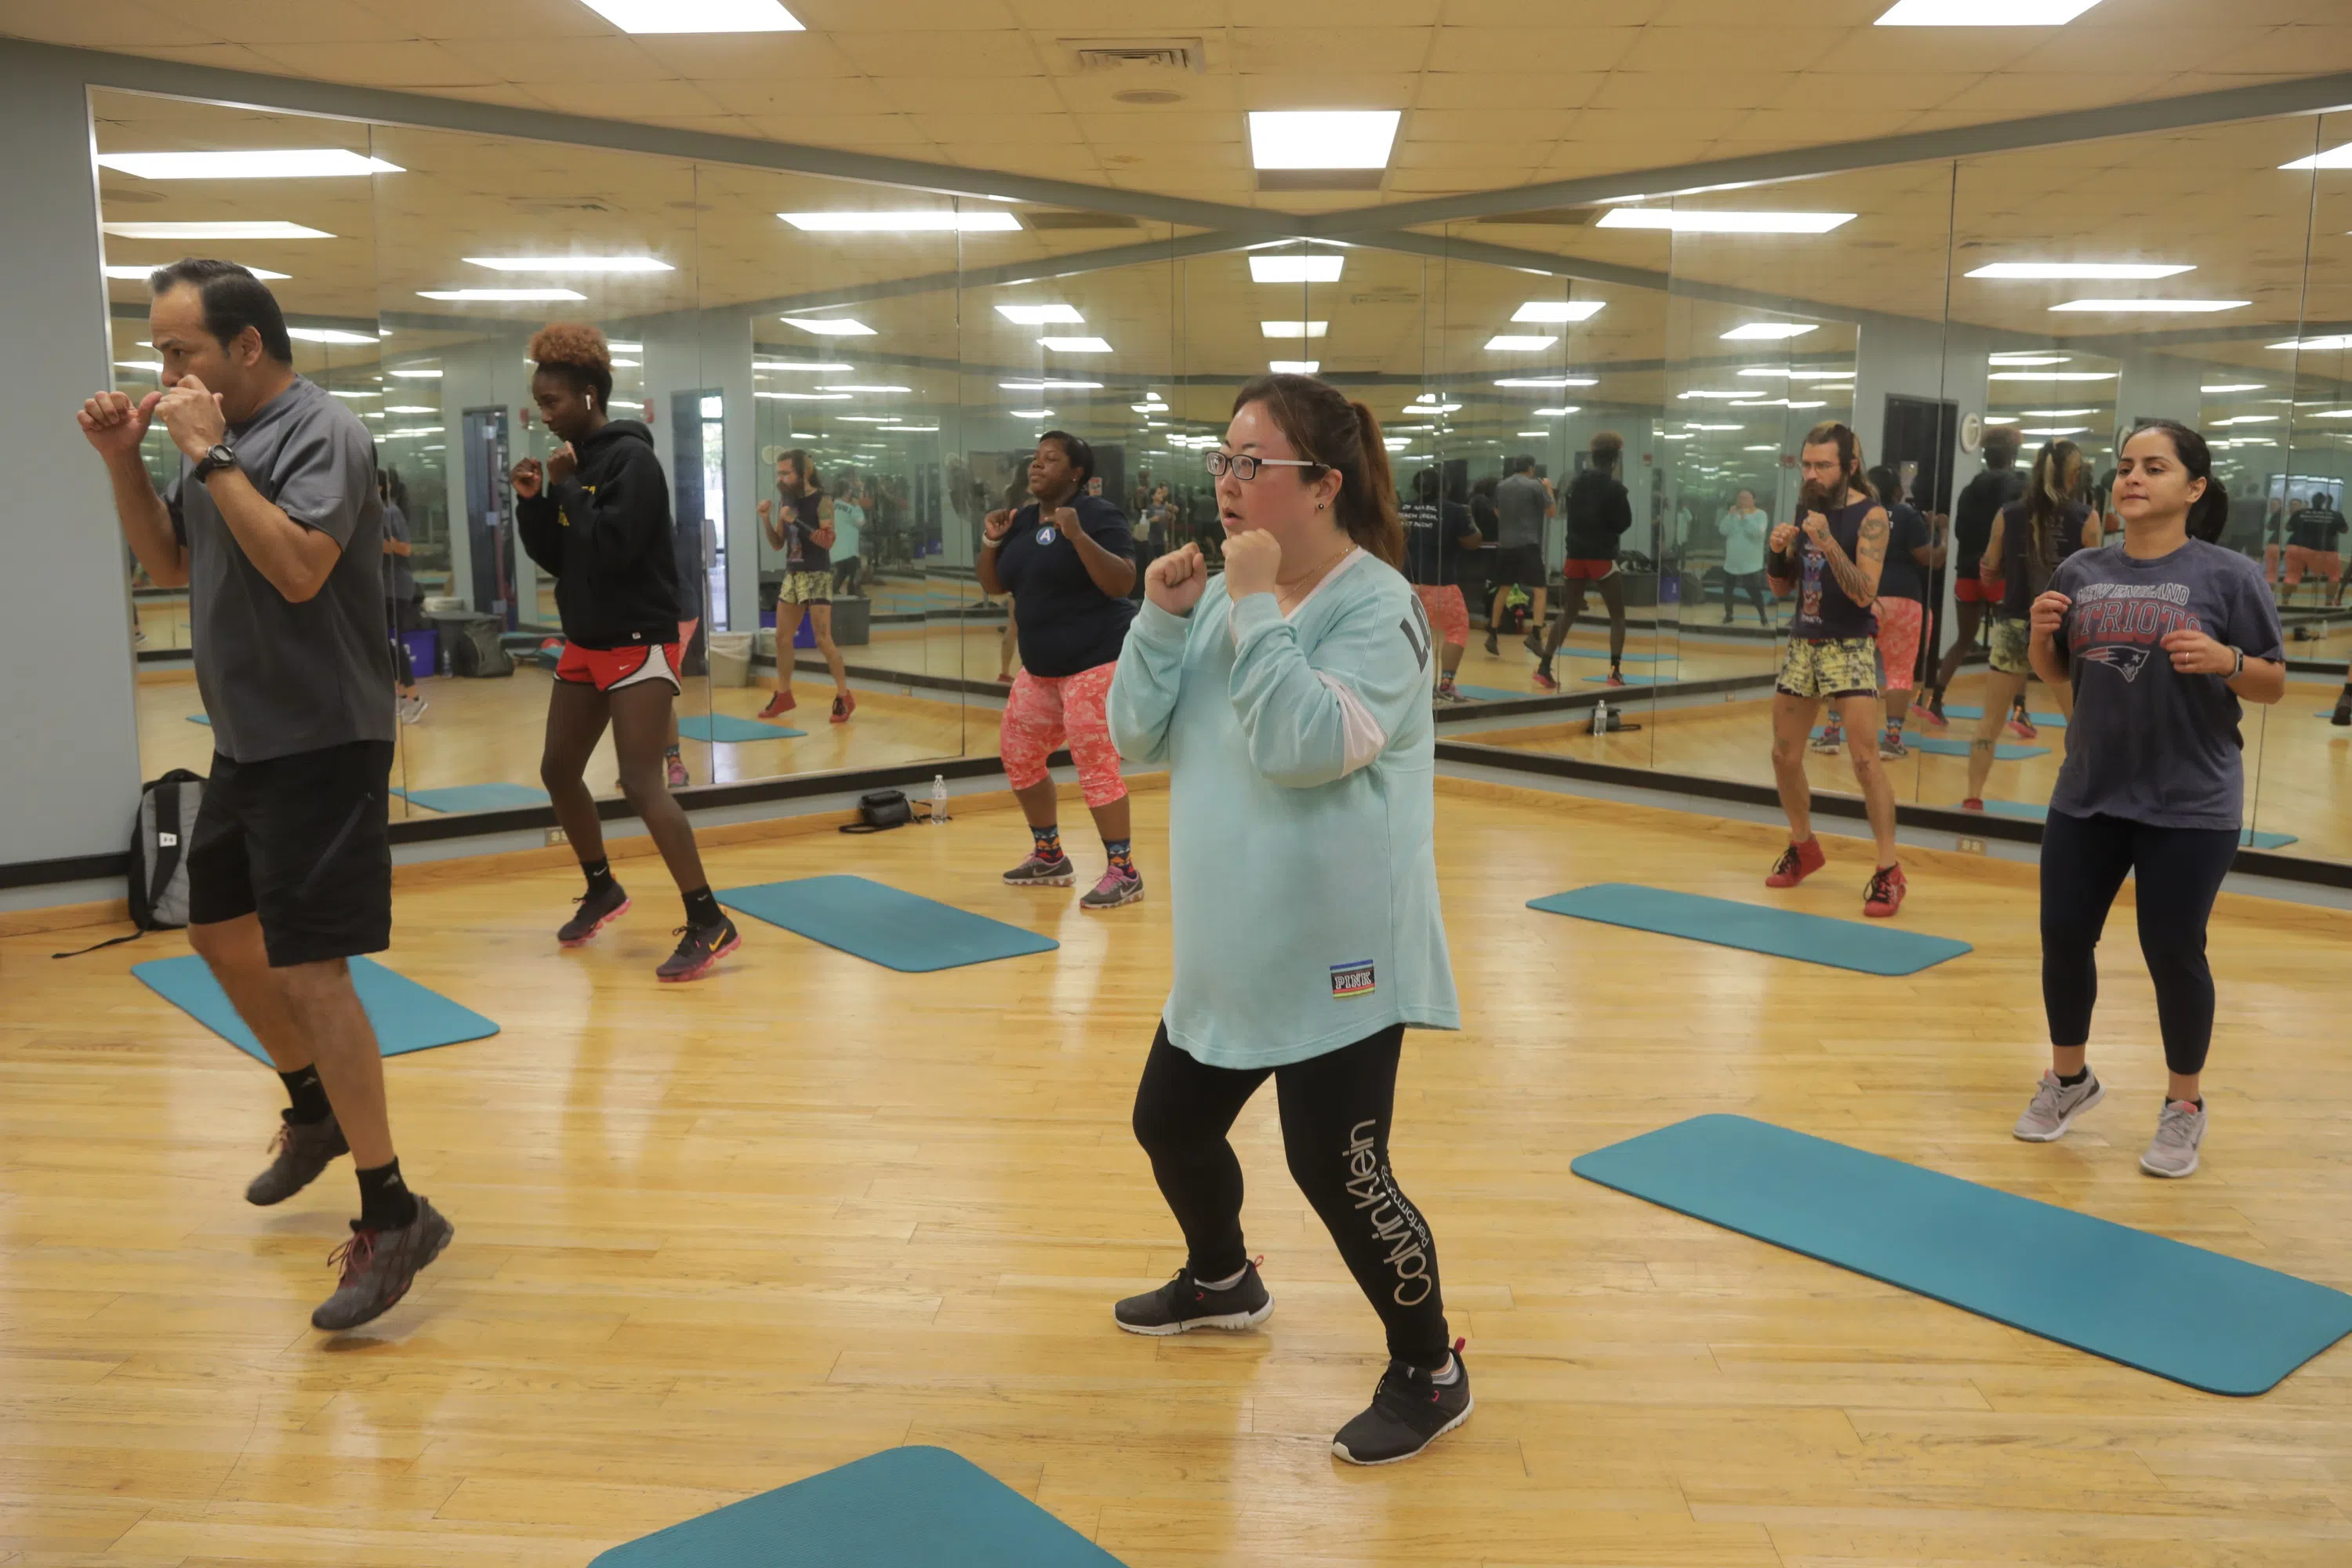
385	1202
702	911
2071	1082
599	874
306	1098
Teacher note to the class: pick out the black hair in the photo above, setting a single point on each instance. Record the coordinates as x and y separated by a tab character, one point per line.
1886	482
1081	457
1831	432
1522	464
1425	485
2002	442
2056	475
232	299
1341	436
2208	515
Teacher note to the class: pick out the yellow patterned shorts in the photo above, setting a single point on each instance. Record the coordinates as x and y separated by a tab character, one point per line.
2010	640
1836	667
806	589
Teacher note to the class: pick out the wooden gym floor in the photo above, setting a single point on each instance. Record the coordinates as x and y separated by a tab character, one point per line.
715	1238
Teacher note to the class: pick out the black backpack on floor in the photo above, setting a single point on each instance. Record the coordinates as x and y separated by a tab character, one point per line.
157	881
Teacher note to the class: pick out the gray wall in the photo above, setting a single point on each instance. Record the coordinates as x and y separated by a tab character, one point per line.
70	766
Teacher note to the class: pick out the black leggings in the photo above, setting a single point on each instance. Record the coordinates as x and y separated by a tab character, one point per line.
1750	584
1336	1109
2178	871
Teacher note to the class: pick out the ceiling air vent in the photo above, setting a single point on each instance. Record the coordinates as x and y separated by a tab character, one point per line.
1566	217
1037	220
1138	54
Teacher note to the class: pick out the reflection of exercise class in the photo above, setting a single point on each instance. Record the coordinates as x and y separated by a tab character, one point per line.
1294	799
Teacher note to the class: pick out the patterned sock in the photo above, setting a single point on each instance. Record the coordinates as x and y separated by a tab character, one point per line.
1049	840
1122	854
306	1096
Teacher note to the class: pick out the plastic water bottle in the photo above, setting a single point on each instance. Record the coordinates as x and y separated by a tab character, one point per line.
938	797
1600	717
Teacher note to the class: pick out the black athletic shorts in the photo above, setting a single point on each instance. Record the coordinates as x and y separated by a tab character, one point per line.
303	841
1519	566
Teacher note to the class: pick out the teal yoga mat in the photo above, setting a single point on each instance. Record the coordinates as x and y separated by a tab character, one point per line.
2178	1311
204	719
1867	947
902	1508
1603	653
475	796
1634	679
407	1016
1938	747
1494	693
898	931
725	729
1968	710
2028	812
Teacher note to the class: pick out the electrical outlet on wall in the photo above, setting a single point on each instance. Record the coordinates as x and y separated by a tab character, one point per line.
555	836
1966	845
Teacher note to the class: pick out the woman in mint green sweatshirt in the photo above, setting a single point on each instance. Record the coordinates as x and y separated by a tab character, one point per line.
1291	701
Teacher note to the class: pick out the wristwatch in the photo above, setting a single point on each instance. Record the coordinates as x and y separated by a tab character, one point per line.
216	458
2238	669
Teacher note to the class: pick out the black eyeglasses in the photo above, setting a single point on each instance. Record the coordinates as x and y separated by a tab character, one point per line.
1245	467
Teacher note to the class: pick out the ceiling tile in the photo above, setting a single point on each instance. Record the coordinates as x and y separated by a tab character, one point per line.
1261	51
806	97
1802	127
1696	54
1514	53
911	15
265	22
860	132
109	27
1165	127
1492	126
1893	53
1002	55
1318	89
1476	90
980	129
2133	49
1095	18
405	64
443	19
610	59
1727	90
782	57
625	101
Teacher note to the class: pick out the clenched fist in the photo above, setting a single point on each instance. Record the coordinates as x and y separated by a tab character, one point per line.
1176	580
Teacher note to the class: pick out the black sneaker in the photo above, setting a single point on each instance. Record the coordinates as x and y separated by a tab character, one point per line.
699	947
2343	714
595	911
1409	1410
1533	644
1182	1305
302	1153
1492	646
378	1268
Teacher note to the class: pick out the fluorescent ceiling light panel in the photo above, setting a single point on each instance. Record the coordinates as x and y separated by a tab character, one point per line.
340	392
2249	419
1040	315
1560	413
1690	221
804	396
621	348
2316	345
2057	430
2153	307
328	335
1766	447
1433	408
1984	12
1709	392
1558	310
141	274
1075	345
912	429
2235	387
859	386
1321	268
499	296
1689	424
696	15
1535	433
1548	381
868	418
157	365
571	263
1767	331
224	228
417	374
793	364
2052	375
1050	386
1322	138
1030	413
2026	358
2075	414
263	163
2333	158
1293	328
2034	270
1809	405
1511	344
933	220
829	326
1294	367
627	364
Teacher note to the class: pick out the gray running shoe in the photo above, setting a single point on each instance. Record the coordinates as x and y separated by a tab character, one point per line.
1891	747
596	912
1038	872
1184	1304
2055	1106
302	1153
378	1268
1116	888
2173	1151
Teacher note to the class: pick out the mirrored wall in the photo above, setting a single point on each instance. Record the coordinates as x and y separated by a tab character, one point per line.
1593	409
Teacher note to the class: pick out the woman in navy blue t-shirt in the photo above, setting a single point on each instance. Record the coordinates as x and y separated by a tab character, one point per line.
2162	637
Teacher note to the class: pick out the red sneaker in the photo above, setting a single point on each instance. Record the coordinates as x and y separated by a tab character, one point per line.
1615	678
781	702
1796	862
1932	719
2021	727
1546	682
1884	895
1973	802
843	706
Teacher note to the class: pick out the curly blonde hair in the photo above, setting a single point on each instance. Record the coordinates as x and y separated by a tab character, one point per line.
578	350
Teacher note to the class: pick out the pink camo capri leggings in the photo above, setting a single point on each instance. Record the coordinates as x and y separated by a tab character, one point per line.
1046	711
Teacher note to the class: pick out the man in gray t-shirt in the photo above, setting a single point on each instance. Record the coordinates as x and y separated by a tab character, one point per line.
1522	502
275	528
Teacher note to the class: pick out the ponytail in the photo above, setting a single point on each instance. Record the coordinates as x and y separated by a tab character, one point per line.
2057	469
2208	515
1333	432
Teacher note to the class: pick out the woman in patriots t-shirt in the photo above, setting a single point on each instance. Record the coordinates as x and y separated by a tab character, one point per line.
2163	636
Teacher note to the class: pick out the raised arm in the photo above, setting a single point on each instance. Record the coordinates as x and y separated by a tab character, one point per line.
114	427
1310	720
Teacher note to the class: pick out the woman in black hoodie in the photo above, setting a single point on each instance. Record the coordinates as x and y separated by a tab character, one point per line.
597	518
